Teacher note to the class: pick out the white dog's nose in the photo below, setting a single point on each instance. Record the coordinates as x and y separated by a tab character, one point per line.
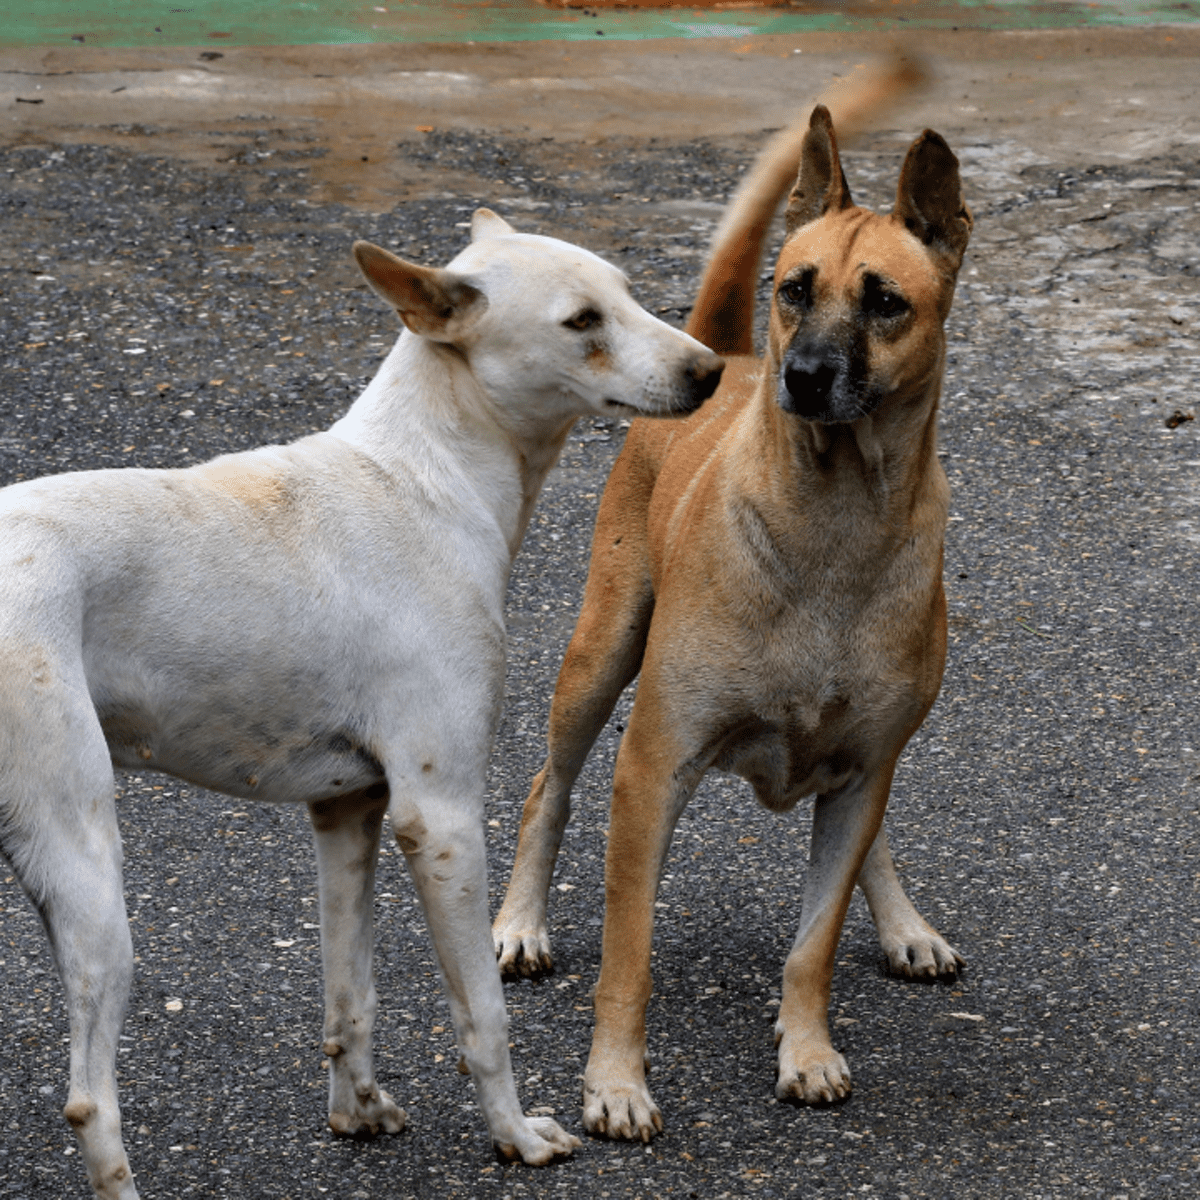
703	375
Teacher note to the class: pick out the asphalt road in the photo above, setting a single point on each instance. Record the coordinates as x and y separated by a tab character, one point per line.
160	306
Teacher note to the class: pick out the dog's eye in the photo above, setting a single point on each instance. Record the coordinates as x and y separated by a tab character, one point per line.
879	300
588	318
797	293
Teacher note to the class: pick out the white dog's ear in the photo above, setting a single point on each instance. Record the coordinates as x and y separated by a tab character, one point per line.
434	303
486	224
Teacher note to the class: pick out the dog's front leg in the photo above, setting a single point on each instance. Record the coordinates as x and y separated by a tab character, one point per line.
603	657
346	831
648	796
913	947
442	840
845	824
85	916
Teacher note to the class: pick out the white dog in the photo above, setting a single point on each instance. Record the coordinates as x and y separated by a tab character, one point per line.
323	623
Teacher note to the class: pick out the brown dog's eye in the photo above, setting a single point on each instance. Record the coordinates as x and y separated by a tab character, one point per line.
879	300
797	293
588	318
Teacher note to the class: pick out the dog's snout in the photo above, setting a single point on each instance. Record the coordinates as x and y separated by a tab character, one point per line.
808	382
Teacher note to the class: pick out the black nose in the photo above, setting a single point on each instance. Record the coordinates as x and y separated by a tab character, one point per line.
808	383
703	375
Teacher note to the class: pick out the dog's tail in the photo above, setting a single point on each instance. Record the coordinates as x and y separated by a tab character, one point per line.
723	316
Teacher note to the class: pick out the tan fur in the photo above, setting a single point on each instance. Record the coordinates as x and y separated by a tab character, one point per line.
772	567
257	486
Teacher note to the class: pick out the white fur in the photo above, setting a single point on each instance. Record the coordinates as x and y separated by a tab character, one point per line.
318	623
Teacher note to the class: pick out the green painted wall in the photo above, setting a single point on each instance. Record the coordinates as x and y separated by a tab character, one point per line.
307	22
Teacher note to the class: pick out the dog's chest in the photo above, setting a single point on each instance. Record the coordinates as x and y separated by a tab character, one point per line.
817	705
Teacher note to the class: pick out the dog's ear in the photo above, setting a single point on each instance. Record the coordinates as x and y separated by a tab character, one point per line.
821	186
486	224
436	304
929	199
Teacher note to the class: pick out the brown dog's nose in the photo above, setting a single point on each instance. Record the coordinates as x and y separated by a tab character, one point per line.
808	383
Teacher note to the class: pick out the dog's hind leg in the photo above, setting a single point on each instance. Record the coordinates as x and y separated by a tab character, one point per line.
603	657
442	839
913	947
346	832
60	835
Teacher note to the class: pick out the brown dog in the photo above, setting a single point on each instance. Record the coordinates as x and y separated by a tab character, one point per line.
773	566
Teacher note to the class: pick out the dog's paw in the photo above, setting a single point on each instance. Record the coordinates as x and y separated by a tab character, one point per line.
539	1141
810	1073
621	1111
522	952
373	1114
920	952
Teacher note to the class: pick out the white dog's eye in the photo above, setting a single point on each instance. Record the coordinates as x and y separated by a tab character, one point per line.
587	318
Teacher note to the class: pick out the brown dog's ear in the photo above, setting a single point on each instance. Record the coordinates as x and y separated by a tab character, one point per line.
929	199
434	303
821	186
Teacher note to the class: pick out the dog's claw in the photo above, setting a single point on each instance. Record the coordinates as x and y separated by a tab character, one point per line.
524	954
824	1085
914	949
927	957
540	1142
814	1076
380	1114
622	1113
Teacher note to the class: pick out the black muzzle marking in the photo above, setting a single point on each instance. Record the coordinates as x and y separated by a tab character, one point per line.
827	382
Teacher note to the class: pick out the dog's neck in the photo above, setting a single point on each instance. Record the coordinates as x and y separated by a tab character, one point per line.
425	417
882	468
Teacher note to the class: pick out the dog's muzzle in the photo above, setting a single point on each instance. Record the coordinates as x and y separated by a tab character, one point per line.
821	386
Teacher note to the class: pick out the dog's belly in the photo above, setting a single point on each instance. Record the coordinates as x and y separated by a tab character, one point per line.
797	751
784	765
284	760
